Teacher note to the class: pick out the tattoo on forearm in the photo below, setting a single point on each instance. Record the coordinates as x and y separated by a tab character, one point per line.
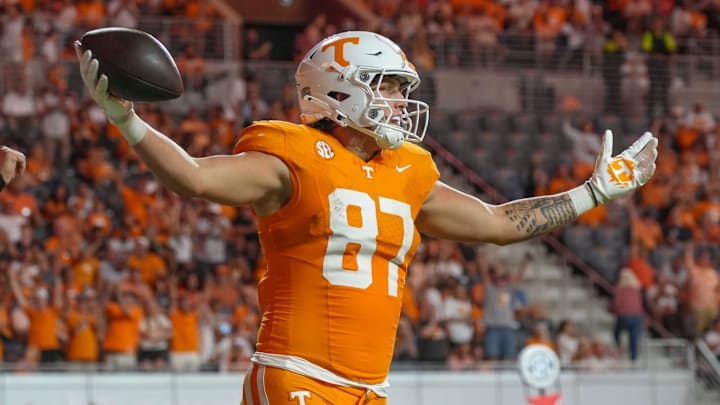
538	215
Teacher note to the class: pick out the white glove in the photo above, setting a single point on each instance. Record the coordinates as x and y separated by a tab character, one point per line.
119	111
618	175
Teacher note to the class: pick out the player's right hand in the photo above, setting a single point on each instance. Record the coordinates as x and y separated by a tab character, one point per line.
12	163
116	109
618	175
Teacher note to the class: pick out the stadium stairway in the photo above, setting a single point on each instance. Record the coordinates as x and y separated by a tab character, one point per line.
549	282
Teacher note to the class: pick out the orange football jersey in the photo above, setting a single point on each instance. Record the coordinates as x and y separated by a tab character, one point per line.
338	251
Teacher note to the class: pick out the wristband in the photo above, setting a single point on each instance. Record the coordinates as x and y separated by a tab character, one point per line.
133	128
583	198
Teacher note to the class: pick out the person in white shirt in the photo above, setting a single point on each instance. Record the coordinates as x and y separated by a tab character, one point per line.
566	341
155	332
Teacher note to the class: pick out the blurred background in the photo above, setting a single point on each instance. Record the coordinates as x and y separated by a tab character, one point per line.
520	93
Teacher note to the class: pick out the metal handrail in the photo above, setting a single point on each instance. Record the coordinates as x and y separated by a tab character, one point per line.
709	357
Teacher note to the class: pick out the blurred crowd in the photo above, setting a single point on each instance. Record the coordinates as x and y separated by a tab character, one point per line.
472	32
101	267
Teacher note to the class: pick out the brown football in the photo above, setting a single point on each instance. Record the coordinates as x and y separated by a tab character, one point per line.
138	66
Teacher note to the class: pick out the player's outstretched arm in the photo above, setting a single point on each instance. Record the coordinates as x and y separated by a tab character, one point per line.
451	214
247	178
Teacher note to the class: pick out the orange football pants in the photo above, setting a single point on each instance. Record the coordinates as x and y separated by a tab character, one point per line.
265	385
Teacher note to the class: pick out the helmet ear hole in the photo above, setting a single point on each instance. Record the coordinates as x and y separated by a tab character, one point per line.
339	96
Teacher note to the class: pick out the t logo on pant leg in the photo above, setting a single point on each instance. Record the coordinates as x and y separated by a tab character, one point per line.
300	396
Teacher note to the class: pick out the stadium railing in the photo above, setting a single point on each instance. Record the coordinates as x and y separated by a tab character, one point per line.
708	368
664	382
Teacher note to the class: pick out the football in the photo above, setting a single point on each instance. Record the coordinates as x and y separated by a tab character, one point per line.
138	66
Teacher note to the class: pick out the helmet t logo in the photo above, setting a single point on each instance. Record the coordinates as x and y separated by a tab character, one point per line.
339	45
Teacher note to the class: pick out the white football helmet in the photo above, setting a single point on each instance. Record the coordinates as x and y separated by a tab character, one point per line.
339	79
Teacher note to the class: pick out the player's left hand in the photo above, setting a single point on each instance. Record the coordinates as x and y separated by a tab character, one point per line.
621	174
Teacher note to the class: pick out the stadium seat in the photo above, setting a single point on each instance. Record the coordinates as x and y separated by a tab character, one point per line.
458	143
510	182
487	140
440	124
635	126
468	121
550	123
520	140
577	237
612	122
495	122
609	235
524	122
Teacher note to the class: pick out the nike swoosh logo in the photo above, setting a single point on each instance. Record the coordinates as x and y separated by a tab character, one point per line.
401	169
378	53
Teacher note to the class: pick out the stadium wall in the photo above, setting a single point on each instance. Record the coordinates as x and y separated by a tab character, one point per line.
663	387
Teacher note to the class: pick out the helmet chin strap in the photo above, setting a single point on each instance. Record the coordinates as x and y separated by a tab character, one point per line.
385	135
388	138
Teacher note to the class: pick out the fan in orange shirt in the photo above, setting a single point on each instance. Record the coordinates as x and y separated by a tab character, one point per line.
185	319
44	317
340	203
5	331
123	331
149	264
82	346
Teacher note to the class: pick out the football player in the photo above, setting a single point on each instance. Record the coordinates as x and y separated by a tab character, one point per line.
340	201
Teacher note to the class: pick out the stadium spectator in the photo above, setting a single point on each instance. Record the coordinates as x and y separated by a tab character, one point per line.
122	13
457	314
55	126
122	336
155	332
462	358
586	145
703	286
699	119
541	336
5	326
254	48
613	59
90	13
405	346
19	108
193	68
663	303
185	341
500	323
660	45
640	266
635	83
627	305
433	343
149	264
712	338
43	338
82	352
566	342
13	23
